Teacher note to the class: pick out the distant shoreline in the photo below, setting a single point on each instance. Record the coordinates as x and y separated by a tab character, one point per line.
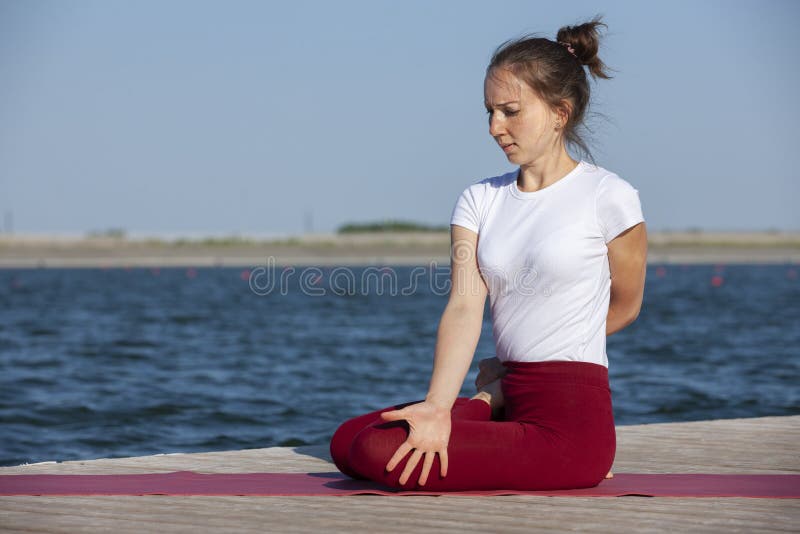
378	248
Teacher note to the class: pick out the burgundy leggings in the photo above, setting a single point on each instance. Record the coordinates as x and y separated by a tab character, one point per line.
556	432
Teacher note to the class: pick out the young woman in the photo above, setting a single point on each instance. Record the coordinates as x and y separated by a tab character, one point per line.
559	246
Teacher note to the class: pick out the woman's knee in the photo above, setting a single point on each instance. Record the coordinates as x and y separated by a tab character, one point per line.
344	437
374	446
340	445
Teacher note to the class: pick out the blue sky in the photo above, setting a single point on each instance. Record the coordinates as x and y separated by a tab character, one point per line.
187	117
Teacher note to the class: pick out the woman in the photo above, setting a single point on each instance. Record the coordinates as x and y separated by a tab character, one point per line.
560	248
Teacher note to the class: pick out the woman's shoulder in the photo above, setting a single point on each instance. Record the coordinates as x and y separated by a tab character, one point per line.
595	176
486	185
471	207
601	176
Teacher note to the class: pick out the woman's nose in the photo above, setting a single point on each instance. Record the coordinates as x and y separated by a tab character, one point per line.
495	126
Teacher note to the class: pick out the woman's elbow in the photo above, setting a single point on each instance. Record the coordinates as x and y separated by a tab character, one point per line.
625	314
633	313
626	302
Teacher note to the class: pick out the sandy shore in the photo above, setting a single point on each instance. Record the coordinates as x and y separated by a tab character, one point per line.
25	251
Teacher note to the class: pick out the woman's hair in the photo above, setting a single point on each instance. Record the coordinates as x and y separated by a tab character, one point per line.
554	73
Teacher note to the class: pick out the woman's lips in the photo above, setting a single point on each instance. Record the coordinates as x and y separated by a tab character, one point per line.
507	148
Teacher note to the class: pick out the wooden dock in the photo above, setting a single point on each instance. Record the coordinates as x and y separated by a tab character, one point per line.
756	445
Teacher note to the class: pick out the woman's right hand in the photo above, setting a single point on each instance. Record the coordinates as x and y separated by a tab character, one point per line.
429	434
490	369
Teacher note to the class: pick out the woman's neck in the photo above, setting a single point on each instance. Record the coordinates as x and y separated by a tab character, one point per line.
544	172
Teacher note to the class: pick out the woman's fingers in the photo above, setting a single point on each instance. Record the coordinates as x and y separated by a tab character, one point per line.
426	467
429	431
402	450
413	460
393	415
410	465
399	454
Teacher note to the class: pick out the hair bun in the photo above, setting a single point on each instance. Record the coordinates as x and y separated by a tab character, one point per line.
584	40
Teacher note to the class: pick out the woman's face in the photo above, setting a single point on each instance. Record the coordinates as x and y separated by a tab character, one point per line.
519	121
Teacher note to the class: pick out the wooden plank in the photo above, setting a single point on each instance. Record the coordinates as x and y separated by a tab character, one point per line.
757	445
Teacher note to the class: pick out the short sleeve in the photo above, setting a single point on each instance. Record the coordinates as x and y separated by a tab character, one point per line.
465	212
618	206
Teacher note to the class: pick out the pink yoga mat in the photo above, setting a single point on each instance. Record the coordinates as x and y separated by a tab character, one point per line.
336	484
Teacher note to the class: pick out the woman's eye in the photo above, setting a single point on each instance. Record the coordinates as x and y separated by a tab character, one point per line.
507	113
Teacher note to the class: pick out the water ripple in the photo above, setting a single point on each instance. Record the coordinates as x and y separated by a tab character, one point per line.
112	363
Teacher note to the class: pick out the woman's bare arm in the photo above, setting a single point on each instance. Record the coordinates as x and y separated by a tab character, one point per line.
627	260
461	322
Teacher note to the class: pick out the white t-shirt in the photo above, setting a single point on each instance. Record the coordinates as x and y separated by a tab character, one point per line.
543	256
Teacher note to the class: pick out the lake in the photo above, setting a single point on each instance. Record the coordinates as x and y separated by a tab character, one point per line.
99	363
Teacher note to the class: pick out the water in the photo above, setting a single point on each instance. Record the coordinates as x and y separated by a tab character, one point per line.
126	362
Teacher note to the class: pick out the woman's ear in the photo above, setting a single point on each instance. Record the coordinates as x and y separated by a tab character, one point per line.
563	112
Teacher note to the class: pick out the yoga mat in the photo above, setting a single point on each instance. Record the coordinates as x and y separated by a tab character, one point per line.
337	484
